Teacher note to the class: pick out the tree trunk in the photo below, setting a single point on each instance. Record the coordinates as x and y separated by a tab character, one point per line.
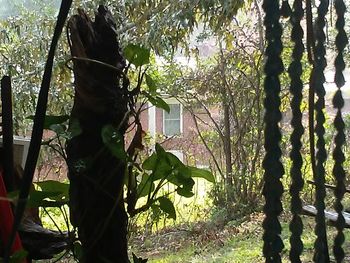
228	153
96	176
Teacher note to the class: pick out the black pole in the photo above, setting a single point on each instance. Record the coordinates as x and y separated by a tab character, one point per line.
7	130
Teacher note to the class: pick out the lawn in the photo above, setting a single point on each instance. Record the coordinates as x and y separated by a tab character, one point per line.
236	242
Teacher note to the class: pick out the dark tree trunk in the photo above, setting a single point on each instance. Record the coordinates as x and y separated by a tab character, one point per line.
96	176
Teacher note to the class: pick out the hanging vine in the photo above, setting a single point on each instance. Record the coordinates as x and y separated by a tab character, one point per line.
296	87
273	167
338	155
321	247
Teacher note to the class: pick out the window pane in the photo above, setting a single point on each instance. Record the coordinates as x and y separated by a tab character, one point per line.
171	127
174	112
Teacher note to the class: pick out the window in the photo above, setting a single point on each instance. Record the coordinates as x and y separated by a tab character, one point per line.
20	149
172	121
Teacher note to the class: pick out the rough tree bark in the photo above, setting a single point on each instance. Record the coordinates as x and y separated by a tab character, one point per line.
96	176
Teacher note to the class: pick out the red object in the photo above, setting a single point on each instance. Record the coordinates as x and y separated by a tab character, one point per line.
6	218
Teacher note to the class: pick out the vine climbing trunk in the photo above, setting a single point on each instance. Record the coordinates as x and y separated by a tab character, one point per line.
96	175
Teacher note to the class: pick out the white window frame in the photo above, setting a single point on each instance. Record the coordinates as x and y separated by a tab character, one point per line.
174	101
20	141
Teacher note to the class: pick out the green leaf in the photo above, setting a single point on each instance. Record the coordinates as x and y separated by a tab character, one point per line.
163	169
12	195
59	129
177	164
39	199
54	186
146	186
18	256
155	209
167	206
151	84
157	101
160	150
113	141
137	55
184	192
74	128
46	198
54	190
202	173
52	119
150	163
181	179
77	250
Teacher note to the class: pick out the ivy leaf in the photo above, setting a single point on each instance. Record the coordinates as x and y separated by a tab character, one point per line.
202	173
52	119
167	206
113	141
151	84
137	55
157	101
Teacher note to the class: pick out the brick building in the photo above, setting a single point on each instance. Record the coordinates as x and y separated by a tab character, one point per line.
176	131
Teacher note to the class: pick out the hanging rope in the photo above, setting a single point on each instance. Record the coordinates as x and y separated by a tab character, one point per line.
296	87
273	188
321	247
338	155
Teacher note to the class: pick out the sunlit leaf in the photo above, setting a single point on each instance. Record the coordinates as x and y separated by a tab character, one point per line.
51	119
56	191
137	55
202	173
45	199
52	185
157	101
151	84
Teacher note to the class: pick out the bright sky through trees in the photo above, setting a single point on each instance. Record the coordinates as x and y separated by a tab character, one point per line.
13	7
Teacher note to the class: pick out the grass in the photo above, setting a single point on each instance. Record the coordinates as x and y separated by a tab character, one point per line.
234	243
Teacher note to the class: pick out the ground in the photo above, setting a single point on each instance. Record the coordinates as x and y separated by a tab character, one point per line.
236	242
207	242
